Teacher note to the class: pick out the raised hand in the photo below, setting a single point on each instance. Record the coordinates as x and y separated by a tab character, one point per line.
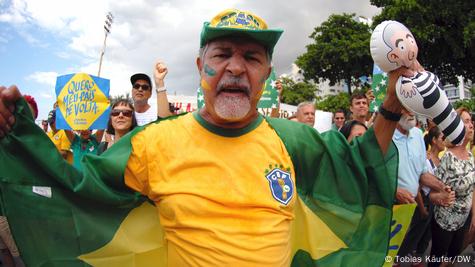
8	97
160	72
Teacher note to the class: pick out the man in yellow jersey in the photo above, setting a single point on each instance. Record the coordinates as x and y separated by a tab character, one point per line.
59	138
233	188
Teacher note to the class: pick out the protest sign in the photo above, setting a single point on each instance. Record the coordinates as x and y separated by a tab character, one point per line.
402	215
82	102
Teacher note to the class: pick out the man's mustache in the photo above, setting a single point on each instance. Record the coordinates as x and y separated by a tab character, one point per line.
234	83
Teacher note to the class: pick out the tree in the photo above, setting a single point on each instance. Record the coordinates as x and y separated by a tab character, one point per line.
116	98
466	103
340	51
332	103
444	32
294	93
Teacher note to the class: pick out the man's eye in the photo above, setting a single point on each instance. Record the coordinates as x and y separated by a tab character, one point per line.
221	56
251	58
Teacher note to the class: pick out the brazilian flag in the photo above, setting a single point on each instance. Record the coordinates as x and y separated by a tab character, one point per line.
62	217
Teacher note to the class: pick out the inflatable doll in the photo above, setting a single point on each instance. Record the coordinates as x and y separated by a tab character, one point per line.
392	46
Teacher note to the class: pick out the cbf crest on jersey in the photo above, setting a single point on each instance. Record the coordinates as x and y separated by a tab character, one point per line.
281	185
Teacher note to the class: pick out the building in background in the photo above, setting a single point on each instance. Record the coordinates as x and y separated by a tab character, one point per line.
460	92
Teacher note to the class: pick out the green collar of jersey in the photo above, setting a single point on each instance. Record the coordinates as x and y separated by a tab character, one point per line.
224	131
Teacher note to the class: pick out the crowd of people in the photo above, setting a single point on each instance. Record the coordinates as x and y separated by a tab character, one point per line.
437	176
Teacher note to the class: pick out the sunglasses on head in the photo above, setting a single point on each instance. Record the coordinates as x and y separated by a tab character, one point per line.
145	87
125	112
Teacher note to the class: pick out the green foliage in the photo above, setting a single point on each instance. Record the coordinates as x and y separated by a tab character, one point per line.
444	32
466	103
294	93
340	51
332	103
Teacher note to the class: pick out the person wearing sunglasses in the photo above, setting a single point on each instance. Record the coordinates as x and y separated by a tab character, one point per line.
142	91
121	121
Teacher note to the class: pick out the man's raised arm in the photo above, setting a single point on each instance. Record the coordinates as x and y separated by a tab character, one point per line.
386	121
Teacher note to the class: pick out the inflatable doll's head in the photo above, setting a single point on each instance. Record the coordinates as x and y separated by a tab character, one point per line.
392	46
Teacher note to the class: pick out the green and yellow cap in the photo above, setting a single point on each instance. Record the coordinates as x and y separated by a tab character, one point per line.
234	22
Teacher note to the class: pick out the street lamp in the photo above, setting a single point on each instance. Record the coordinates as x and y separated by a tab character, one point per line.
107	30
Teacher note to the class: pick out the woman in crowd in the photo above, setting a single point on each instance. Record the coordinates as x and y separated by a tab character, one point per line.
435	143
121	121
352	129
457	170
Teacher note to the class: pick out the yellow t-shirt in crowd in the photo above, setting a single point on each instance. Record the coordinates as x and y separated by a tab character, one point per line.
61	141
217	205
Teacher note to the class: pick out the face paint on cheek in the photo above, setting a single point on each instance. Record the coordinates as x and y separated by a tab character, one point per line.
209	71
204	84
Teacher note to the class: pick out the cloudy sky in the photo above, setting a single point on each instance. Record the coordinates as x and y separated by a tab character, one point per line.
40	40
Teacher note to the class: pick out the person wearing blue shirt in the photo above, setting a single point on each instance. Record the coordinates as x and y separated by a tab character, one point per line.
412	172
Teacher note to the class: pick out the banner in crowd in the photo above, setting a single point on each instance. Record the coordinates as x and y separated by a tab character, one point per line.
83	102
323	121
379	85
269	98
402	215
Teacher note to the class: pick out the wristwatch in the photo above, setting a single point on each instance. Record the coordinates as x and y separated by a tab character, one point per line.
160	89
388	115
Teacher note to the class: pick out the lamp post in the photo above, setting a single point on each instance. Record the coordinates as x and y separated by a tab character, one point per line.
107	30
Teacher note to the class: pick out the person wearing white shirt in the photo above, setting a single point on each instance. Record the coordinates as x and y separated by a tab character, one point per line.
142	91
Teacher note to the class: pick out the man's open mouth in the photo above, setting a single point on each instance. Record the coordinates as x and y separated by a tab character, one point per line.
234	91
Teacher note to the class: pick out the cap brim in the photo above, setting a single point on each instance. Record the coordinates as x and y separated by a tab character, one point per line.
267	37
140	76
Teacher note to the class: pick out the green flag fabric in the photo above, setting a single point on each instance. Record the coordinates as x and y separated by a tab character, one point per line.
57	213
62	217
378	85
355	203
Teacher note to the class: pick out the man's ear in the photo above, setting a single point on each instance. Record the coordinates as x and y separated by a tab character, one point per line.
269	71
199	64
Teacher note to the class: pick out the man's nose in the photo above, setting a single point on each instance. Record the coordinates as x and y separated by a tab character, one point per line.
236	65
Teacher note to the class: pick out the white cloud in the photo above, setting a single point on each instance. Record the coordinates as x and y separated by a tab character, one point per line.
47	96
145	30
47	78
14	14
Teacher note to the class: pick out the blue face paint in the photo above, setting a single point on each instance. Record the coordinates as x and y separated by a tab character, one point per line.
209	71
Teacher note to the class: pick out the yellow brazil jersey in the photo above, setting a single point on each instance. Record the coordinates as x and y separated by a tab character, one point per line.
217	205
61	141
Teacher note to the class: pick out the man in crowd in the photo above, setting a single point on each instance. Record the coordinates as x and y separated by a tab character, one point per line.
413	172
306	113
359	107
228	182
142	91
338	119
59	138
